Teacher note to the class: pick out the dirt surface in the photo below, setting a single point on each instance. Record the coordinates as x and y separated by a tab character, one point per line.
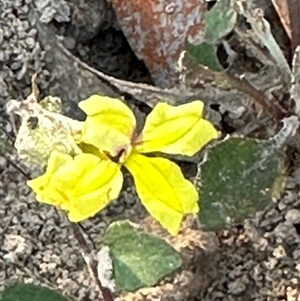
259	260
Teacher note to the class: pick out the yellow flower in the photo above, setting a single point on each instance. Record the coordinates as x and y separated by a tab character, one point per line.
163	190
82	185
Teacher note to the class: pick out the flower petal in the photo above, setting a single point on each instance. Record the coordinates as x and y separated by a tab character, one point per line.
40	185
56	160
109	124
104	137
83	185
163	190
87	205
89	183
176	130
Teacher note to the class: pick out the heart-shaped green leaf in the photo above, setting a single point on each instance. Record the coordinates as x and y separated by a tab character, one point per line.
139	259
238	179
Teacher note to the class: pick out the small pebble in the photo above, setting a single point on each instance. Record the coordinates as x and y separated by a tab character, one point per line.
293	216
236	287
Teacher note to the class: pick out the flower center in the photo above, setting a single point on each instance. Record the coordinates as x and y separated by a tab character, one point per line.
122	154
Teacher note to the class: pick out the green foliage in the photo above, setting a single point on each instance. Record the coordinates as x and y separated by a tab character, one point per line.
205	54
219	21
30	292
139	258
236	181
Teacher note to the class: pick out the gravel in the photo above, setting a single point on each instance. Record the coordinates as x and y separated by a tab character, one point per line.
259	260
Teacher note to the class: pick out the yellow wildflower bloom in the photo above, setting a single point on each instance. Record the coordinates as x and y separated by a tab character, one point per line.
84	184
162	188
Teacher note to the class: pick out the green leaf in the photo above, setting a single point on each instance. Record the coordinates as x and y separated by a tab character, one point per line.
219	21
238	179
30	292
205	54
139	259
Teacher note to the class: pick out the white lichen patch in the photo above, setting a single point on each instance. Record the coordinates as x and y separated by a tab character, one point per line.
105	268
42	130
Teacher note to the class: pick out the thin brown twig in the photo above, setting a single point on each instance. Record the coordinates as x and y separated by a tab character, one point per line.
16	167
271	107
86	253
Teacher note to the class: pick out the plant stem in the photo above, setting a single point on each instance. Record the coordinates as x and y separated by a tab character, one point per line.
90	262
